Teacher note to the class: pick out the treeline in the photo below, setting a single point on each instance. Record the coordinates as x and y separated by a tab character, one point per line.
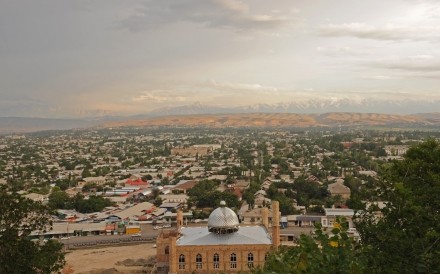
60	200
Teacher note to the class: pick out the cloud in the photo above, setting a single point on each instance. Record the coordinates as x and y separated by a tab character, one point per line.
384	33
238	86
337	51
163	96
420	63
225	14
378	77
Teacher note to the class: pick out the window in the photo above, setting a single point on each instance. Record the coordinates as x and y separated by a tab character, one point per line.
182	261
167	250
216	261
199	261
250	260
233	260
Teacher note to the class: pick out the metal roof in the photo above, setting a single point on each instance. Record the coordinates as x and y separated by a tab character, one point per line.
338	212
223	217
246	235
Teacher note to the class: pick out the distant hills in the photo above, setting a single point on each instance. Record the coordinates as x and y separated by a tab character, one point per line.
331	119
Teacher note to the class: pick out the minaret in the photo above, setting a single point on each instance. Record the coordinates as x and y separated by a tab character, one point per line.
173	255
179	219
275	224
265	217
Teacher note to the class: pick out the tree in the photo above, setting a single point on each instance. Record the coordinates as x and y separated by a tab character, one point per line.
335	253
18	254
406	238
59	200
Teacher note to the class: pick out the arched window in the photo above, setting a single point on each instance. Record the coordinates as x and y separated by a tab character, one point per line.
199	261
167	250
216	261
182	261
233	260
250	260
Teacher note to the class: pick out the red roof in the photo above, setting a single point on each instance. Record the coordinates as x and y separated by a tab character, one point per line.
237	192
138	182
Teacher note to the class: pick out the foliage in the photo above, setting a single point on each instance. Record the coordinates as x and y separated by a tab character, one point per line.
330	253
93	204
60	200
204	195
406	238
18	254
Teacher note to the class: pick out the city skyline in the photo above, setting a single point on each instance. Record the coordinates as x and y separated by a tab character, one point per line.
92	58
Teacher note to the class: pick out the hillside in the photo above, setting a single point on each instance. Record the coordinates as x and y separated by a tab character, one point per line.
286	120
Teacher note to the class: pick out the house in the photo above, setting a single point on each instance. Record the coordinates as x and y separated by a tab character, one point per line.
174	198
254	216
331	214
184	185
137	182
340	189
170	206
100	180
35	197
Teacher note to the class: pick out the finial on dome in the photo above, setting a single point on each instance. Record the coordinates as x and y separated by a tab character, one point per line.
222	203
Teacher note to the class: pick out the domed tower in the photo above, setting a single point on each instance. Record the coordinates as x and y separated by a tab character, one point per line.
223	220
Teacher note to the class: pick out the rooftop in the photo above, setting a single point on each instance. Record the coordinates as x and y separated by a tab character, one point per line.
246	235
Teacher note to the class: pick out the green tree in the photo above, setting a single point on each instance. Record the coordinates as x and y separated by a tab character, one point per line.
18	254
59	199
332	252
406	238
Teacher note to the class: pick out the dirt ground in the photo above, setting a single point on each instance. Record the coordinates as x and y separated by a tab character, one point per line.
109	260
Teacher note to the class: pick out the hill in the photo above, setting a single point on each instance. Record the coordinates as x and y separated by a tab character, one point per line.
333	119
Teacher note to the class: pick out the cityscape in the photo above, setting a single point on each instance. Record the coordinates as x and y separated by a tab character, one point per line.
125	186
219	136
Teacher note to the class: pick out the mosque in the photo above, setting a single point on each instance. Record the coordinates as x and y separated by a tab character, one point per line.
223	246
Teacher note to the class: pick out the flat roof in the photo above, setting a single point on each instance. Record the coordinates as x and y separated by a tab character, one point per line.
339	212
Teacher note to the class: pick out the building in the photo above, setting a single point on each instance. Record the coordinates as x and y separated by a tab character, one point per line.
191	151
222	247
340	189
396	150
332	214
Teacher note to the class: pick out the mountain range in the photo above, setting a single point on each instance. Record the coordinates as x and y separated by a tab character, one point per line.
281	115
332	119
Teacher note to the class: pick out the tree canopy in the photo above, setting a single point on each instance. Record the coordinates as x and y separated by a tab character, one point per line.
18	254
401	234
405	238
332	252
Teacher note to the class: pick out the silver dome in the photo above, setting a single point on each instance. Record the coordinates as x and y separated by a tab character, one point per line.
223	220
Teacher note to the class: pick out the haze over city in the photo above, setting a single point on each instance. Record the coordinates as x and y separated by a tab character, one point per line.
92	58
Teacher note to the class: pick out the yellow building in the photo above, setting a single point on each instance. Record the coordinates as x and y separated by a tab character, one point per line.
223	246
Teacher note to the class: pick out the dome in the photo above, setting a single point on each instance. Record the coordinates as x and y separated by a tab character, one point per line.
223	220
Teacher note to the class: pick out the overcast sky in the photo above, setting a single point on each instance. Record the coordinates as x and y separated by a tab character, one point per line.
76	58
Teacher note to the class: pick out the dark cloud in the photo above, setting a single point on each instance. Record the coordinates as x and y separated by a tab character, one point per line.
228	14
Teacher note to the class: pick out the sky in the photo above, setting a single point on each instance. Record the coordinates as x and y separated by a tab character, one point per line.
85	58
